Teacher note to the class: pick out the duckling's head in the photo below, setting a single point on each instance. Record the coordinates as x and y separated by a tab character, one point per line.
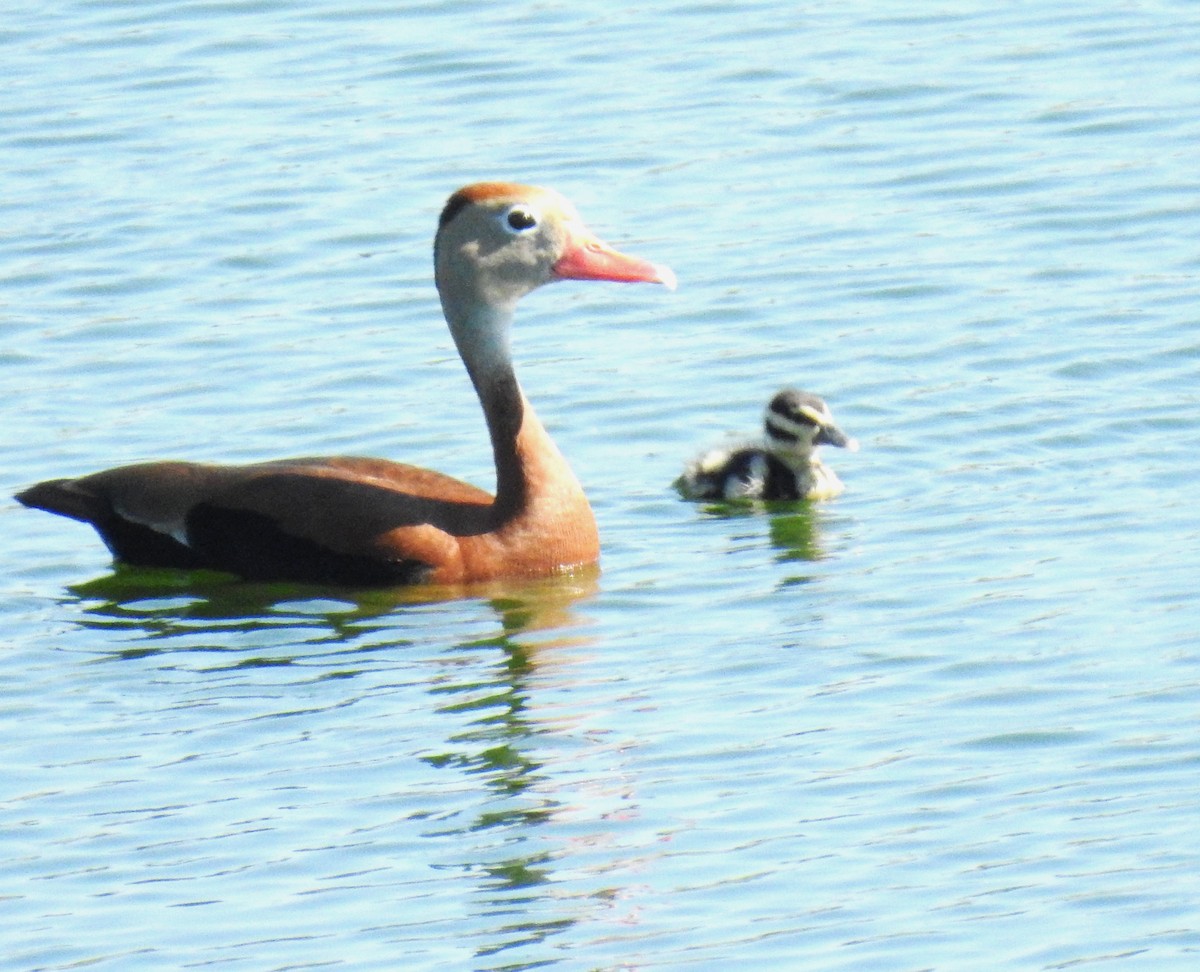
796	422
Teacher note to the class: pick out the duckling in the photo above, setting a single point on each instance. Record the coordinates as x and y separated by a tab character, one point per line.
784	466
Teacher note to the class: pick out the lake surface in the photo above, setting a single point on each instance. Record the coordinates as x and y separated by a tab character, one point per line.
950	720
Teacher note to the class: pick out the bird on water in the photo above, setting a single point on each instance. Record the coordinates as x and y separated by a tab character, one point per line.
353	520
783	466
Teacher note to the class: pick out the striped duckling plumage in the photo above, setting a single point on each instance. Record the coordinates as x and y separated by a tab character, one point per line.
783	466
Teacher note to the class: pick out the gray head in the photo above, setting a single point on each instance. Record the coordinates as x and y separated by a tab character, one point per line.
497	241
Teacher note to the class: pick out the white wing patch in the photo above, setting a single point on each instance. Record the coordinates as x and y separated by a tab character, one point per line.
750	486
175	529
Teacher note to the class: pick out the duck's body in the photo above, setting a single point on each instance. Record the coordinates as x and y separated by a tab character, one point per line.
783	466
370	521
341	519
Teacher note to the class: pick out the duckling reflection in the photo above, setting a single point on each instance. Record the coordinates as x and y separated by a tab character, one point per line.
783	466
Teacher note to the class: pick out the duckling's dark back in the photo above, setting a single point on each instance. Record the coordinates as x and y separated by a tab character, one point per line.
745	473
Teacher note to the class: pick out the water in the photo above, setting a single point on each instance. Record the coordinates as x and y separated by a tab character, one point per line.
946	721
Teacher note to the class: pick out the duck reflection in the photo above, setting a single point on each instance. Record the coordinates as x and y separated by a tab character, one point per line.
486	685
501	744
170	610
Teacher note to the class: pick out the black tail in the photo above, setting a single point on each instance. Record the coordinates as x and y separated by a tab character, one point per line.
126	539
59	496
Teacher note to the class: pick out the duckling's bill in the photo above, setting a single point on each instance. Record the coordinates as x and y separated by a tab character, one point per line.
830	434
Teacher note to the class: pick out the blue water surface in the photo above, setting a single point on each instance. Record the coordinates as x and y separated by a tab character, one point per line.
946	721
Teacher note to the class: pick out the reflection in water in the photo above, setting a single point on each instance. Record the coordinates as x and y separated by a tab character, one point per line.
794	529
485	681
795	532
507	860
172	610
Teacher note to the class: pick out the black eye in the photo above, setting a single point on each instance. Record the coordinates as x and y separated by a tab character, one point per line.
519	219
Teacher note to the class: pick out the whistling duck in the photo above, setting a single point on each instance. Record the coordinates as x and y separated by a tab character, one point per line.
784	466
370	521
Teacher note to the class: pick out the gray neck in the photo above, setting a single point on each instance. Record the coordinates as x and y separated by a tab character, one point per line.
481	334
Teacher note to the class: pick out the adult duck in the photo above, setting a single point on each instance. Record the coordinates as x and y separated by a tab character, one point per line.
784	466
370	521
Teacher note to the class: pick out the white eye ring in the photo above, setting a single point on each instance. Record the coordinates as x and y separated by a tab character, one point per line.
520	219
